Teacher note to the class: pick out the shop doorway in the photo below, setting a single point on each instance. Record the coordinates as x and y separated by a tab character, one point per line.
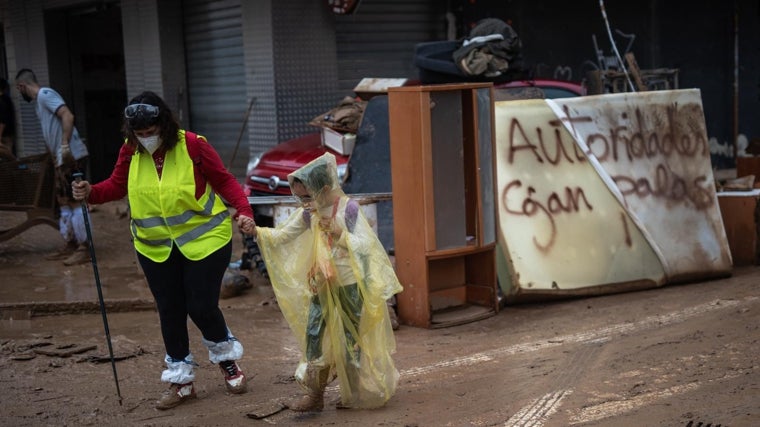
85	53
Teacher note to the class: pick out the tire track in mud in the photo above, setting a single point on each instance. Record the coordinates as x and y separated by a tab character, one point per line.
540	410
592	336
624	405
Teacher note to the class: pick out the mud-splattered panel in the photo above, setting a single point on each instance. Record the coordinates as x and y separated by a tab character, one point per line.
606	191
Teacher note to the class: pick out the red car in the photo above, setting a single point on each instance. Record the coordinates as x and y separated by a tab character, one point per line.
268	173
546	88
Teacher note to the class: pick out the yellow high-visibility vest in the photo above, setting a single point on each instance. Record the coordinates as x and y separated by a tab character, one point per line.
165	212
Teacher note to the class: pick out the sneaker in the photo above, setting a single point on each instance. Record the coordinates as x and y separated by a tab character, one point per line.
63	252
80	256
175	394
234	378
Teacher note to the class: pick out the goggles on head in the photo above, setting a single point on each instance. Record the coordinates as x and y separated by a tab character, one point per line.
146	111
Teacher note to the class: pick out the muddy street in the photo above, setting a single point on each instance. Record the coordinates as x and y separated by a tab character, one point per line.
673	356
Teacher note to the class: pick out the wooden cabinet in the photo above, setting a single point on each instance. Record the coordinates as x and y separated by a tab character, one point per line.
740	211
443	180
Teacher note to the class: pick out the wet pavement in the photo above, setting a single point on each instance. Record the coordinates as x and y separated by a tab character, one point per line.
33	286
30	280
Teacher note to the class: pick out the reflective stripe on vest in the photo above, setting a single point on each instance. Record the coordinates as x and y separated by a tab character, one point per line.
181	219
165	211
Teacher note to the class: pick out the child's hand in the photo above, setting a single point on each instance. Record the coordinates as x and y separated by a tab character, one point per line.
331	229
320	275
246	225
315	279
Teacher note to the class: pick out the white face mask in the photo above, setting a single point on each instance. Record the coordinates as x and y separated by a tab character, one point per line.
150	143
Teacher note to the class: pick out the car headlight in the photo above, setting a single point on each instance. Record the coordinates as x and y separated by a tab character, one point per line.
253	163
342	172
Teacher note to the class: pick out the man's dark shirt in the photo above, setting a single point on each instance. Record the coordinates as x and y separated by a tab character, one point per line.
7	115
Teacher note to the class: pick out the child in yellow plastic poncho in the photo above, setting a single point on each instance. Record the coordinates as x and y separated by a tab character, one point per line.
332	277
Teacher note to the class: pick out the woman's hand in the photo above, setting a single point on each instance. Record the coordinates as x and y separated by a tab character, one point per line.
80	190
247	225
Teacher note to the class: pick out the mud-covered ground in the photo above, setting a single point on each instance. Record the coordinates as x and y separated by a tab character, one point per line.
673	356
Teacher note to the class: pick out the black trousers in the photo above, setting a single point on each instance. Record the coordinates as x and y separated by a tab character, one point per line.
182	288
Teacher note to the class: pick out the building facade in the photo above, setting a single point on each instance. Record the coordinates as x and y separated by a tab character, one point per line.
251	73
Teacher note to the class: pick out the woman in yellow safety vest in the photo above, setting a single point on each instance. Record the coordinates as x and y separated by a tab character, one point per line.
175	182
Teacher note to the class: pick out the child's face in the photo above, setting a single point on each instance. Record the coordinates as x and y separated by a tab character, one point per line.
301	194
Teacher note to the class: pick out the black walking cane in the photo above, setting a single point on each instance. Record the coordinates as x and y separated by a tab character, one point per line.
78	177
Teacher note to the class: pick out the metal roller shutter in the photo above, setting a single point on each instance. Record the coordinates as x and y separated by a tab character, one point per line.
216	76
378	39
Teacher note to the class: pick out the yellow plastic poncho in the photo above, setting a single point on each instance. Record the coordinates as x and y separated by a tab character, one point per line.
313	260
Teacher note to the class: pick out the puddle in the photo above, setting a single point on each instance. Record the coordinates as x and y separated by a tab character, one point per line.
15	319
